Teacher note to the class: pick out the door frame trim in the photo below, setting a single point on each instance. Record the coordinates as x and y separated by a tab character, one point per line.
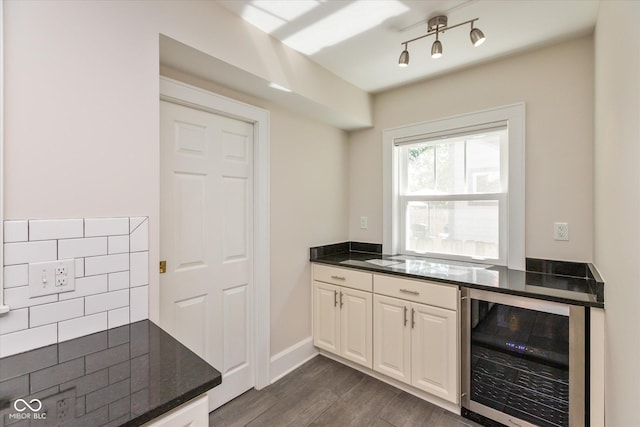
191	96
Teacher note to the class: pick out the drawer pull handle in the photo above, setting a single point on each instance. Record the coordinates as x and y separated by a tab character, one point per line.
338	278
409	291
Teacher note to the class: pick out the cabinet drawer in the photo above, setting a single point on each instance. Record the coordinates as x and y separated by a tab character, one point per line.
343	277
430	293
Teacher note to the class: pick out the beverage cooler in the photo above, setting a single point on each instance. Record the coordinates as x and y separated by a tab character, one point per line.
523	360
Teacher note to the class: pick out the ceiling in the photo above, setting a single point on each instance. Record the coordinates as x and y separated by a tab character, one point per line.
360	41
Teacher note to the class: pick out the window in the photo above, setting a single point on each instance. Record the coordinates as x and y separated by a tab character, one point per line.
454	188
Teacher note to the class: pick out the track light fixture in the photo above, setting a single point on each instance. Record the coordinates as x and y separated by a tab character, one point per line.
437	25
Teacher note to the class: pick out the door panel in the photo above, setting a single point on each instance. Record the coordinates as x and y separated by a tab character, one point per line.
236	339
206	206
235	211
392	339
190	315
434	351
356	326
189	190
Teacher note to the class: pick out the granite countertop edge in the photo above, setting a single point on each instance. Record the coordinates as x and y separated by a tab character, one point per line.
327	255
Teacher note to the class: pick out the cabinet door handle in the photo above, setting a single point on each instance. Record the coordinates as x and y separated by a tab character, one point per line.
413	318
409	291
338	278
405	315
341	299
335	298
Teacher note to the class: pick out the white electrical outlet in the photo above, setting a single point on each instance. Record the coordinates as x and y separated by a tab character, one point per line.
561	231
364	222
51	277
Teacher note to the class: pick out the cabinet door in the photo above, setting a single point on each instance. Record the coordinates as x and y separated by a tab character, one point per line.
434	352
392	338
356	330
194	413
326	317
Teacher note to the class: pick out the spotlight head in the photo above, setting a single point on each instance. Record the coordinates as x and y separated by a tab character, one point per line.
436	49
477	37
404	58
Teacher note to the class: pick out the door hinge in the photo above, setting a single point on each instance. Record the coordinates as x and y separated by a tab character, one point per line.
163	267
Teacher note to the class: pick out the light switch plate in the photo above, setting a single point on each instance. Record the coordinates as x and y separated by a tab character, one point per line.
51	277
364	222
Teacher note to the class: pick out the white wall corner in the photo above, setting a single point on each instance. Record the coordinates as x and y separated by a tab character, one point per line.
291	358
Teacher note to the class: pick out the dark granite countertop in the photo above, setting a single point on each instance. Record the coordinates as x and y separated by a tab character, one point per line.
124	376
560	281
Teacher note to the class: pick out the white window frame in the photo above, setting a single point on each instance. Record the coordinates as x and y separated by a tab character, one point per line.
514	233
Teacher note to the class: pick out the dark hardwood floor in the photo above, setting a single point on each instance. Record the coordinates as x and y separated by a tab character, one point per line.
323	392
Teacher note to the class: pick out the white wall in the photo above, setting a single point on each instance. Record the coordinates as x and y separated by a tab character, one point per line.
556	83
82	132
617	201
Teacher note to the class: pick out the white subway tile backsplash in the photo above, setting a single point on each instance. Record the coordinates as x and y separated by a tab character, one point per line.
139	271
111	255
118	317
24	340
24	252
19	298
79	267
106	226
139	303
140	237
49	229
105	302
74	328
87	286
118	244
16	275
118	280
16	231
80	248
55	312
106	264
15	320
135	221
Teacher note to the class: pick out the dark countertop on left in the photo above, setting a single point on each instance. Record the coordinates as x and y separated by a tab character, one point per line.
124	376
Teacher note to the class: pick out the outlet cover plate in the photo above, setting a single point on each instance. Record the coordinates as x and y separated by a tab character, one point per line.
51	277
561	231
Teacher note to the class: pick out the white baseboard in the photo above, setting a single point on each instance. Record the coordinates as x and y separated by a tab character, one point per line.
291	358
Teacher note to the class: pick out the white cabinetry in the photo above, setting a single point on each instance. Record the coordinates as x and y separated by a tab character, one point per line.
194	413
342	313
413	342
406	330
